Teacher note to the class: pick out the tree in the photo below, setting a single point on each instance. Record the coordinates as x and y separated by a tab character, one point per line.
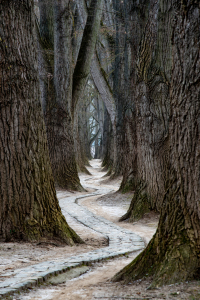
70	76
173	254
111	71
60	124
87	126
99	75
81	142
150	80
29	208
86	52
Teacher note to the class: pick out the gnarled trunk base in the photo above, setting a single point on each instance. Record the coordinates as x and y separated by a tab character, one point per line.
173	254
140	205
167	263
61	148
29	208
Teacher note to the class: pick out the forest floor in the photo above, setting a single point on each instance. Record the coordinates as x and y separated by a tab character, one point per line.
96	282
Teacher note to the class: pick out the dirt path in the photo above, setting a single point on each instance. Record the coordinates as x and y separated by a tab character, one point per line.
96	284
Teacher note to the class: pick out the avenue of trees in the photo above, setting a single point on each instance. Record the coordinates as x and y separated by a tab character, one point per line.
121	78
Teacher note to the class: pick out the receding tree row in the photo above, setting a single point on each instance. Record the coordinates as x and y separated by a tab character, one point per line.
121	78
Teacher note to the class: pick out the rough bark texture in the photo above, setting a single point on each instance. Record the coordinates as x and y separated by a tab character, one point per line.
55	70
45	26
151	75
121	71
173	254
29	208
60	123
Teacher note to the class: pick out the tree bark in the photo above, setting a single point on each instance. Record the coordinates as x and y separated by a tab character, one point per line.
29	208
151	76
173	254
60	123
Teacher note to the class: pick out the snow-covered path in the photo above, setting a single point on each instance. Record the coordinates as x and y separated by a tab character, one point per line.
120	240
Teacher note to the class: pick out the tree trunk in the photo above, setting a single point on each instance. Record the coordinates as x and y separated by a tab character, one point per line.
129	182
99	75
151	75
29	208
81	158
86	52
45	24
173	254
60	124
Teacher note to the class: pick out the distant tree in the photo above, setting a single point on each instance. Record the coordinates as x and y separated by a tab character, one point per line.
86	52
70	75
29	209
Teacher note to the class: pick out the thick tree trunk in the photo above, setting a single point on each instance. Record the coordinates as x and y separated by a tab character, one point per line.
61	143
55	69
60	124
129	152
29	208
45	24
118	88
173	255
151	75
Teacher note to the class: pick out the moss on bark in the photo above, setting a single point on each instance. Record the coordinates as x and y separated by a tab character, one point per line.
128	185
140	205
58	230
174	260
173	254
29	208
